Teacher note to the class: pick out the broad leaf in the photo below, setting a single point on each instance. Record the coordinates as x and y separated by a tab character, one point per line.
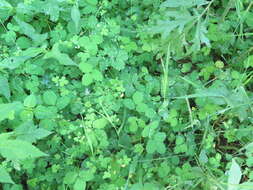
75	15
29	132
4	176
234	176
5	10
8	110
62	58
183	3
19	150
29	31
4	87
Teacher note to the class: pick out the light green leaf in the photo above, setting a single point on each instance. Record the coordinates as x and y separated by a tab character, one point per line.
4	176
75	15
87	79
70	177
49	97
62	58
30	101
234	176
5	10
29	31
43	112
29	132
137	97
150	129
16	61
246	186
80	184
8	110
85	67
100	123
183	3
4	87
19	150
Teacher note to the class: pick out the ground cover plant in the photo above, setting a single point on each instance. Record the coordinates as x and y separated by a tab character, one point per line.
126	95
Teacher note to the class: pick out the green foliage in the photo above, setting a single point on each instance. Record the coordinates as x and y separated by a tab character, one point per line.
126	95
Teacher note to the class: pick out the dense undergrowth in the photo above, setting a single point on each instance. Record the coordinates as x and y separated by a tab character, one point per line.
126	95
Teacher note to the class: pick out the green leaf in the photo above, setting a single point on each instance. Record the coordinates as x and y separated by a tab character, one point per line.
4	87
75	15
100	123
183	3
30	101
4	176
49	97
62	58
150	129
87	79
80	184
92	2
85	67
5	10
8	110
138	97
42	112
62	102
234	176
70	177
19	150
16	61
176	20
29	132
29	31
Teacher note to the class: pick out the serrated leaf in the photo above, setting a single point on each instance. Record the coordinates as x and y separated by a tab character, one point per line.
29	132
19	150
75	15
234	176
177	20
4	87
5	176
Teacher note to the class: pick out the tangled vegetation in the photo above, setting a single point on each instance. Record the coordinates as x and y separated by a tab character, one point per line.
126	95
